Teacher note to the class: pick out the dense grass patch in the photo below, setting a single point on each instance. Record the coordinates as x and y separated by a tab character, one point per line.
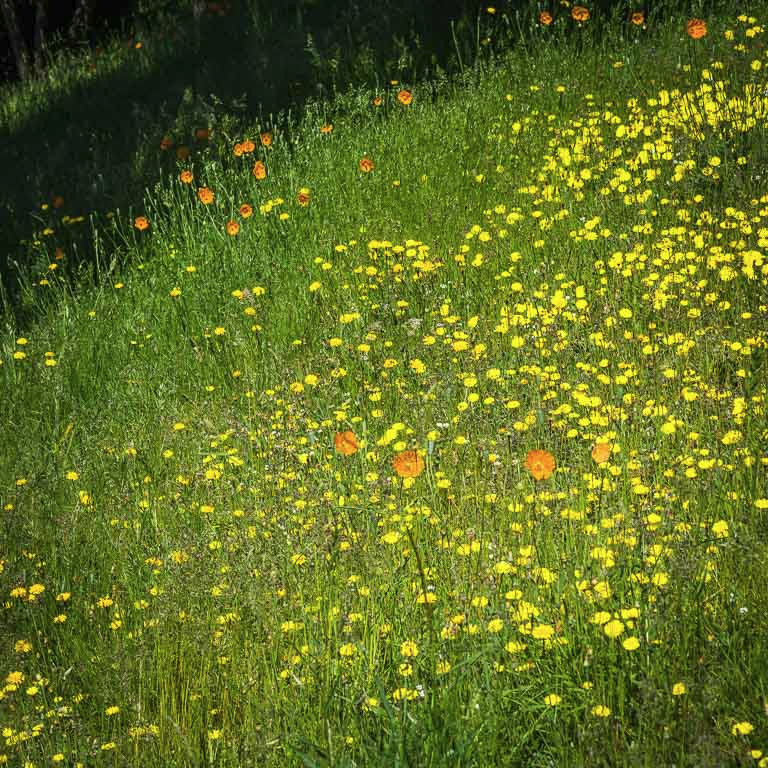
426	428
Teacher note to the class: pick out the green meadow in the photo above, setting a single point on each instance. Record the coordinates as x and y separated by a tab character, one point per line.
424	423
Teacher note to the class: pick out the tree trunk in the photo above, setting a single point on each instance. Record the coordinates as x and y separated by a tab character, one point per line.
41	28
19	47
80	20
198	8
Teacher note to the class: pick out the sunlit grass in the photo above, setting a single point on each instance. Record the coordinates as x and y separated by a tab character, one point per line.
434	437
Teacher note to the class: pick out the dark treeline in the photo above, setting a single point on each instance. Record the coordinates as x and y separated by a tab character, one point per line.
28	27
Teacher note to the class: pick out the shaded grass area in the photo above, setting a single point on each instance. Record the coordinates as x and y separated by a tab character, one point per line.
90	133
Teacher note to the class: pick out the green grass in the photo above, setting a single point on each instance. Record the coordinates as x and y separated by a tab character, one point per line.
561	248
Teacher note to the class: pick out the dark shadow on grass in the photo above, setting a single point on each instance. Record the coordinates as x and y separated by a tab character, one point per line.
96	144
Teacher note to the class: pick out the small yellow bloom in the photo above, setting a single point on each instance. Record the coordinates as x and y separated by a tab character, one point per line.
742	729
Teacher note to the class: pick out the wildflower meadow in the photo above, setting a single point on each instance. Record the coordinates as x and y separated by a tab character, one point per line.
426	426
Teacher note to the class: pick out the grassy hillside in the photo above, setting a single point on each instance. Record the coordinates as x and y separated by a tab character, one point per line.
426	426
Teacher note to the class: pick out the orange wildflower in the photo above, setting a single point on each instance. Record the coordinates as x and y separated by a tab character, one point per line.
266	139
545	18
202	134
601	452
408	464
205	195
637	18
237	150
405	97
166	143
248	146
58	201
185	177
327	128
232	228
246	210
579	13
540	464
377	101
303	197
259	170
346	442
366	165
696	28
141	223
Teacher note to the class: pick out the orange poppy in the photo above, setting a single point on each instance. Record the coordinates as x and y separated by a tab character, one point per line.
246	210
601	452
182	152
327	128
345	442
266	139
248	146
579	13
637	18
201	134
696	28
205	195
540	464
408	464
303	197
366	165
405	97
545	18
141	223
259	170
166	143
377	101
232	228
185	177
237	150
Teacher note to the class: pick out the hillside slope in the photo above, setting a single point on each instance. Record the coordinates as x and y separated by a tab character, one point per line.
428	430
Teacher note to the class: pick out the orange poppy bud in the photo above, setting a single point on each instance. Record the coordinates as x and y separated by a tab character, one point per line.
205	195
408	464
541	464
345	442
579	13
601	452
259	170
696	28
